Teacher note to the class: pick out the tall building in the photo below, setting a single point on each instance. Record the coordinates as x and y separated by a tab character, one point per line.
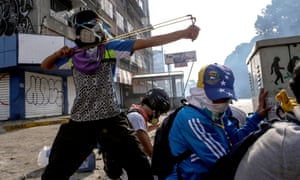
33	29
158	60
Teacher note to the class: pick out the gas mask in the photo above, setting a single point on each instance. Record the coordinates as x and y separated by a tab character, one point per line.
90	34
154	119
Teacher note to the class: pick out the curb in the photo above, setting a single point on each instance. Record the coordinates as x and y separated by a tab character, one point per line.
7	128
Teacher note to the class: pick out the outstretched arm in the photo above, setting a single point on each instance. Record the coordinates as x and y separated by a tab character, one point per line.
263	108
189	33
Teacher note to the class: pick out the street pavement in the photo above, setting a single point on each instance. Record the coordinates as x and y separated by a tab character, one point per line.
12	125
21	141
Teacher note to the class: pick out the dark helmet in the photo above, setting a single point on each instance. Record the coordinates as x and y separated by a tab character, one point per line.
86	19
157	99
83	16
295	82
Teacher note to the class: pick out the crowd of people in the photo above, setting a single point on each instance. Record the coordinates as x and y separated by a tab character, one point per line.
209	131
95	115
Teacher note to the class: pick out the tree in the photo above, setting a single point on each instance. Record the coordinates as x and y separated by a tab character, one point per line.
237	62
279	19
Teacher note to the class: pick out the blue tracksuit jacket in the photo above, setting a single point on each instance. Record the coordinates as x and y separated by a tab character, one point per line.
193	129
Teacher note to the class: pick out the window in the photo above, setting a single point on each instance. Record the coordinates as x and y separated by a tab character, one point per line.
61	5
120	21
140	2
129	27
107	8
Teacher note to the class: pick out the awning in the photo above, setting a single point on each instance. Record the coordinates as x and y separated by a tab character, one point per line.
123	77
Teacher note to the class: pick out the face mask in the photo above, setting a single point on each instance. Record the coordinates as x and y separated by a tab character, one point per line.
216	117
92	53
86	36
154	119
91	35
218	108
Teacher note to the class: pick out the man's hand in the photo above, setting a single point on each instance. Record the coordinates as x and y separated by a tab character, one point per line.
49	62
192	32
65	52
152	127
262	108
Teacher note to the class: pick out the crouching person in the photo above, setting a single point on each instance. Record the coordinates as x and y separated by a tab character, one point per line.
206	130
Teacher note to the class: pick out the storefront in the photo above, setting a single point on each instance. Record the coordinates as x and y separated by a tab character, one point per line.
171	82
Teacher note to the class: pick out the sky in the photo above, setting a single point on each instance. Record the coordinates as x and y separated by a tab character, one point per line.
224	25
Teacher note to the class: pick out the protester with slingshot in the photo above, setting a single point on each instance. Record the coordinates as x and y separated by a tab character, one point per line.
95	116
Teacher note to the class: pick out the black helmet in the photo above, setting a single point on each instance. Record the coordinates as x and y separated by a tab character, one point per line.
83	16
157	99
295	82
84	21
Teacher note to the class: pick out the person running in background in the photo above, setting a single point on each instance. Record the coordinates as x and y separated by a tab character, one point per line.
275	155
95	115
143	118
207	130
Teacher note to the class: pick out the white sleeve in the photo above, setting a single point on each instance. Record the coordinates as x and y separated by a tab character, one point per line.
137	121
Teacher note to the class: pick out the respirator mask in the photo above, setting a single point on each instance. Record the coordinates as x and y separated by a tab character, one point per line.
154	119
91	32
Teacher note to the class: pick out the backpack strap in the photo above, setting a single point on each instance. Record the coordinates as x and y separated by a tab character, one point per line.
188	152
183	156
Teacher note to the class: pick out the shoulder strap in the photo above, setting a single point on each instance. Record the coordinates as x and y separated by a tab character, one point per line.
141	111
188	152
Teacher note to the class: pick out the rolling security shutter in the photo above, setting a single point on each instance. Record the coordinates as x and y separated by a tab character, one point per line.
43	95
4	96
71	93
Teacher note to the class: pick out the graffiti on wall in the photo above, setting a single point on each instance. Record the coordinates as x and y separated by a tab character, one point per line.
14	17
277	68
41	90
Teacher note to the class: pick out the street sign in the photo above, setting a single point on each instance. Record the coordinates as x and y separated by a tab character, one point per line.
180	59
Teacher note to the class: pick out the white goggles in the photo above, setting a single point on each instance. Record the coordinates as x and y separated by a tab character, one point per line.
89	35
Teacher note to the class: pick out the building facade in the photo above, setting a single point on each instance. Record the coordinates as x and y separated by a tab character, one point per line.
30	30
